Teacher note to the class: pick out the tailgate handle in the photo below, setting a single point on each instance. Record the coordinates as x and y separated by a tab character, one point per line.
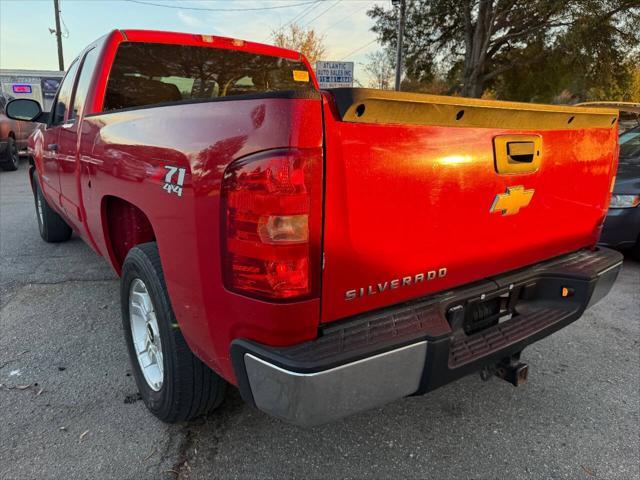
520	151
517	153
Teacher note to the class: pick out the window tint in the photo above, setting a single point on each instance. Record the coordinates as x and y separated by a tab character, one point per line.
152	73
88	66
64	95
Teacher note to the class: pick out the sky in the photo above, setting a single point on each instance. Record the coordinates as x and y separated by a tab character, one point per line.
25	41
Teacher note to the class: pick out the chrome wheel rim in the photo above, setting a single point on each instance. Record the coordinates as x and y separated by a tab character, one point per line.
145	334
39	208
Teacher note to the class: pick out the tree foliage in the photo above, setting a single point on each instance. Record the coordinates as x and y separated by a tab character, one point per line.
519	49
635	83
380	68
305	40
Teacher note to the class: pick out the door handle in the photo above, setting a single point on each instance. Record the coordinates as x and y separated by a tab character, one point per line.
517	153
52	147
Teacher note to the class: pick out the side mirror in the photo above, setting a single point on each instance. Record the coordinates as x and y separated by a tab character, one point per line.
24	109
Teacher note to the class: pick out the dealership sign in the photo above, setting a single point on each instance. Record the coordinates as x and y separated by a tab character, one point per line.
334	74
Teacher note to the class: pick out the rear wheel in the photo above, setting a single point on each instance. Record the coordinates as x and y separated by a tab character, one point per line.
10	158
52	227
174	384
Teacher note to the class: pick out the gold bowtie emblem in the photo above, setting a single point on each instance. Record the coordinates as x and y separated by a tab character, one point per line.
512	201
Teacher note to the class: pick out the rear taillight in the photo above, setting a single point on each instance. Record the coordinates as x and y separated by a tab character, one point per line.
271	232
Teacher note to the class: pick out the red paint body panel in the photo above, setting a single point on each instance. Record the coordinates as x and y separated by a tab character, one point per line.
406	199
123	160
122	155
399	200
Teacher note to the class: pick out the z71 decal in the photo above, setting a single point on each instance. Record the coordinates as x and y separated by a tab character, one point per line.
177	174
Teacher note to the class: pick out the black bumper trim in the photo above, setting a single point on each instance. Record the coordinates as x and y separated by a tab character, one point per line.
425	319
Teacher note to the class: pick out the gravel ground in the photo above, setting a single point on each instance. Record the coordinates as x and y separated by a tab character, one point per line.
79	417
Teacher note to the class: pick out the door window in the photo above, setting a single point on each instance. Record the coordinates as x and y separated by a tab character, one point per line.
64	96
84	81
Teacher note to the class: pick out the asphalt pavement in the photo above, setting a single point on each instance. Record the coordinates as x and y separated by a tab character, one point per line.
69	406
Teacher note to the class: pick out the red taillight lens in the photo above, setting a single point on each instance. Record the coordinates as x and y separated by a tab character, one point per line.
271	213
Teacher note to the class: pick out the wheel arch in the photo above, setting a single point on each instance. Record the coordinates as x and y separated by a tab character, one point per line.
125	225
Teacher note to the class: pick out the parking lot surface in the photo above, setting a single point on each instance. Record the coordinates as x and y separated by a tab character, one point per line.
69	407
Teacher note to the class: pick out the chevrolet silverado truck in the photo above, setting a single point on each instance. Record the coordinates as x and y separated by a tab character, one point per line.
324	251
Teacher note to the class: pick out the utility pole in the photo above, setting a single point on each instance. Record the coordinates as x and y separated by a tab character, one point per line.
56	7
402	10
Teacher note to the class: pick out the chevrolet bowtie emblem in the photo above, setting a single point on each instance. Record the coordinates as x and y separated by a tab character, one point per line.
512	201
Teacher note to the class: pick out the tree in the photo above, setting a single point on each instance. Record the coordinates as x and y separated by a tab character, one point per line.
634	91
300	39
477	42
591	60
381	69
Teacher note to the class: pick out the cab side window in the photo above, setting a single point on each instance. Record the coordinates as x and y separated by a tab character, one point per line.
84	80
63	101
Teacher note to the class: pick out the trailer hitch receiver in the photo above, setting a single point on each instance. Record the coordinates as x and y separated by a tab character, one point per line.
513	371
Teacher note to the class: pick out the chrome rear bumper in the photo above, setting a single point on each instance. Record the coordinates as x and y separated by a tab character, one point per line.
313	398
409	349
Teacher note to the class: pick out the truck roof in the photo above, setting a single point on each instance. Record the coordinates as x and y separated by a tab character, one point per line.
207	40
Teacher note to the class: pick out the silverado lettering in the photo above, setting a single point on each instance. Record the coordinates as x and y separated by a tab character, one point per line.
395	283
223	282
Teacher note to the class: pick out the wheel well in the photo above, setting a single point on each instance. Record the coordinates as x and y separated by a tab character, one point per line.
126	226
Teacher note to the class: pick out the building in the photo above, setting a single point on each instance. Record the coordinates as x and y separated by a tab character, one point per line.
40	85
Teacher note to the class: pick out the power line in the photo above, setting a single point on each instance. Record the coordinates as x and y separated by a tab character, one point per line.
274	7
359	48
304	13
344	18
300	15
323	12
66	29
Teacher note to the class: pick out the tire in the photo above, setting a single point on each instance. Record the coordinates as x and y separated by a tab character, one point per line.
10	158
175	386
53	229
635	250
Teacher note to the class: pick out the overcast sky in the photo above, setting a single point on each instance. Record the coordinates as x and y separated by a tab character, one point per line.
25	41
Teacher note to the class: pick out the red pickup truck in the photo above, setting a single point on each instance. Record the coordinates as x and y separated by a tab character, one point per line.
324	251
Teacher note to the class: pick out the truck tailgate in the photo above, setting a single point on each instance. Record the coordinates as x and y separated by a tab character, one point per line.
425	193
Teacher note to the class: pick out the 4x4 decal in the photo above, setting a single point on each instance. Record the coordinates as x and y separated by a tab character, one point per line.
177	174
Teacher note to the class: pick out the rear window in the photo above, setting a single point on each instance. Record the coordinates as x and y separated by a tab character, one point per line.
630	144
153	73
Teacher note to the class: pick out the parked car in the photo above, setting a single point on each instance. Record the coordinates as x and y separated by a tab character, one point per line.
621	229
622	226
324	251
13	136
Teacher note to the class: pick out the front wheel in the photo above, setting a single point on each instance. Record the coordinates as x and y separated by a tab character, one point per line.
174	384
52	227
10	158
